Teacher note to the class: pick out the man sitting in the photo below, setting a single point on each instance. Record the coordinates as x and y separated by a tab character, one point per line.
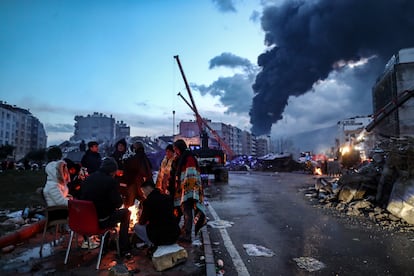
102	189
157	224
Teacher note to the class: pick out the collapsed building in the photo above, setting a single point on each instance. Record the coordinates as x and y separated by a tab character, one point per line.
387	182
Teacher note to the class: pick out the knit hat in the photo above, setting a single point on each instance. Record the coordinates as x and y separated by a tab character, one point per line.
148	183
108	165
92	143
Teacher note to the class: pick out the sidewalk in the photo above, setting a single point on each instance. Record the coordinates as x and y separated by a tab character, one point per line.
25	259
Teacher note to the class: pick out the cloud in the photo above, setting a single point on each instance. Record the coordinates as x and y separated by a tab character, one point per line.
234	92
231	61
306	39
59	128
225	5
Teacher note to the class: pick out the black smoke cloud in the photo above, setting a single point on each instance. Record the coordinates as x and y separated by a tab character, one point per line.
309	37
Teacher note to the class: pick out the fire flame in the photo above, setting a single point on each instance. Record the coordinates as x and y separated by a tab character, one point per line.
317	171
134	215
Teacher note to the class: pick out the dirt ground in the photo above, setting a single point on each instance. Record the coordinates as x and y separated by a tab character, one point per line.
18	189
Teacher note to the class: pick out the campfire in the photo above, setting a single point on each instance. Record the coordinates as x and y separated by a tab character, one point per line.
134	214
317	171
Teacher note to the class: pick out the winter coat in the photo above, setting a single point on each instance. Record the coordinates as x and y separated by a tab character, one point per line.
56	190
102	189
91	160
137	168
188	181
157	214
118	155
164	174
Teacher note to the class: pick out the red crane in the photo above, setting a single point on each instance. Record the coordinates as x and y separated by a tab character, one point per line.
202	124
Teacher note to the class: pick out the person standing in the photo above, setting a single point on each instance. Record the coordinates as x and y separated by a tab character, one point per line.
163	176
102	189
189	190
118	154
91	160
157	224
137	169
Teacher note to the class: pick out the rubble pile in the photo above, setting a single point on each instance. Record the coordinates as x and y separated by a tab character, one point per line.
382	190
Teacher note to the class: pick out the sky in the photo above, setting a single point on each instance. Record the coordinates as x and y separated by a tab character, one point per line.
271	67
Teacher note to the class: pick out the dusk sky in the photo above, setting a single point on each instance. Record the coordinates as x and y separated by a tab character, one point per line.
65	58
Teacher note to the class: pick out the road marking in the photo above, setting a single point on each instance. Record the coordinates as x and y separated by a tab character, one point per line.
234	254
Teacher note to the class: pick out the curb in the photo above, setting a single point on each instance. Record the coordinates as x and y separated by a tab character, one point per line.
22	234
208	253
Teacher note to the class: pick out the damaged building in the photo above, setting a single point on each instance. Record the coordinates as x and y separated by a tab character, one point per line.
385	186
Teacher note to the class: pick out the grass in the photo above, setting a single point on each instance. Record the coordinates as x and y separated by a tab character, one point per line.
18	189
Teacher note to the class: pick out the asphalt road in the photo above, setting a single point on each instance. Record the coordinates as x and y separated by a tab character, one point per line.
271	210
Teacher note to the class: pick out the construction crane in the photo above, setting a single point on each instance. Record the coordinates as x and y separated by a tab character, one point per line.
220	171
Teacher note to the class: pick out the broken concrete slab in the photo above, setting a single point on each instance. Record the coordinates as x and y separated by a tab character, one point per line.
167	256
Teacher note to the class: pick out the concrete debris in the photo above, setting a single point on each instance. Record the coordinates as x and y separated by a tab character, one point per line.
381	190
118	270
308	263
258	250
167	256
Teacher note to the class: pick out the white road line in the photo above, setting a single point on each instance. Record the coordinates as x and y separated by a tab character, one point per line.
234	254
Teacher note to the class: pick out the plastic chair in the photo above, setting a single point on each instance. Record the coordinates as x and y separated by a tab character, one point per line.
83	220
55	216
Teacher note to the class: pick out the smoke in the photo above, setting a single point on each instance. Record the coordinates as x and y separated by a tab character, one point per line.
311	39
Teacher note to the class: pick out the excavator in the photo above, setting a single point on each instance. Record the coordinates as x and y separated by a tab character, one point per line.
211	161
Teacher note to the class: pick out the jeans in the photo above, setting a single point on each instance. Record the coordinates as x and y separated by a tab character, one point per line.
141	231
121	216
188	208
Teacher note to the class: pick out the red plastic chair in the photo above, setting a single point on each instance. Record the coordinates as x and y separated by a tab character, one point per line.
83	220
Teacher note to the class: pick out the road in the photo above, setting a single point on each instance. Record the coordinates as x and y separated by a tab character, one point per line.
271	210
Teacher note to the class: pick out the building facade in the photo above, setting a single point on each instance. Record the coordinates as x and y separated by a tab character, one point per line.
262	146
19	128
393	103
241	142
99	127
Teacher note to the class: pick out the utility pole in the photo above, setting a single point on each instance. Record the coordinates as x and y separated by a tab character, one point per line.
173	123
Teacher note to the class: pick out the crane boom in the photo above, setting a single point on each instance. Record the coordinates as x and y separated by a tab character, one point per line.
187	86
200	121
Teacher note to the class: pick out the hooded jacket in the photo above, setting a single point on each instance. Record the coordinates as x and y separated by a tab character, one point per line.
118	155
56	190
101	188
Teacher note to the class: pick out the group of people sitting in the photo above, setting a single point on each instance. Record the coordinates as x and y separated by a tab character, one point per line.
114	183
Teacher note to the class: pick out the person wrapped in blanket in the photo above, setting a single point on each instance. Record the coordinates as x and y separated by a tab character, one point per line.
188	194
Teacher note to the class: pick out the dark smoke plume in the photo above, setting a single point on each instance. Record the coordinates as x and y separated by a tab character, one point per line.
310	38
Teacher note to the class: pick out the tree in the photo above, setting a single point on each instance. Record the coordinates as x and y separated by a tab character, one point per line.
6	150
36	155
